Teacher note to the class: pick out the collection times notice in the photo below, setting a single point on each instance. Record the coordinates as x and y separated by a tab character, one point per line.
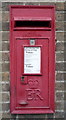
32	60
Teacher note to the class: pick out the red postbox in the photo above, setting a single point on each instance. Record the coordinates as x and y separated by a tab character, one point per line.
32	59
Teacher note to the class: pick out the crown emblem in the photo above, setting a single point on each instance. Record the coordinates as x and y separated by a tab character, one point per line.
33	84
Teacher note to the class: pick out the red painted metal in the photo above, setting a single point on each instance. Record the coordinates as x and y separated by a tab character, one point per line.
32	93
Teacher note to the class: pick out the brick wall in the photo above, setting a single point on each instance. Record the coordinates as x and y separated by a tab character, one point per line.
4	63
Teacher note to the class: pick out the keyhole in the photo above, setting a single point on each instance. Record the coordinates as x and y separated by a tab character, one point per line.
22	78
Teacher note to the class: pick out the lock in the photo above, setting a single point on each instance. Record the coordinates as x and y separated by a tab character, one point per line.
32	41
24	80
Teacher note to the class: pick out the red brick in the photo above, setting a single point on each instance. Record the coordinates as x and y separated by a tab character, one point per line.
5	97
60	76
5	116
60	6
59	16
5	35
59	66
5	26
5	67
5	46
5	87
60	25
5	76
60	46
60	86
5	106
59	115
59	105
5	16
5	56
60	36
59	96
59	56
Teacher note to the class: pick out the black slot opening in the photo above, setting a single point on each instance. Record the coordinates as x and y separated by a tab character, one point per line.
33	24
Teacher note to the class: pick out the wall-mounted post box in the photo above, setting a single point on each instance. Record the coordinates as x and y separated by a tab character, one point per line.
32	59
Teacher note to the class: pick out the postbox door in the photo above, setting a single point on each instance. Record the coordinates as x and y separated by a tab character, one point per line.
32	88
